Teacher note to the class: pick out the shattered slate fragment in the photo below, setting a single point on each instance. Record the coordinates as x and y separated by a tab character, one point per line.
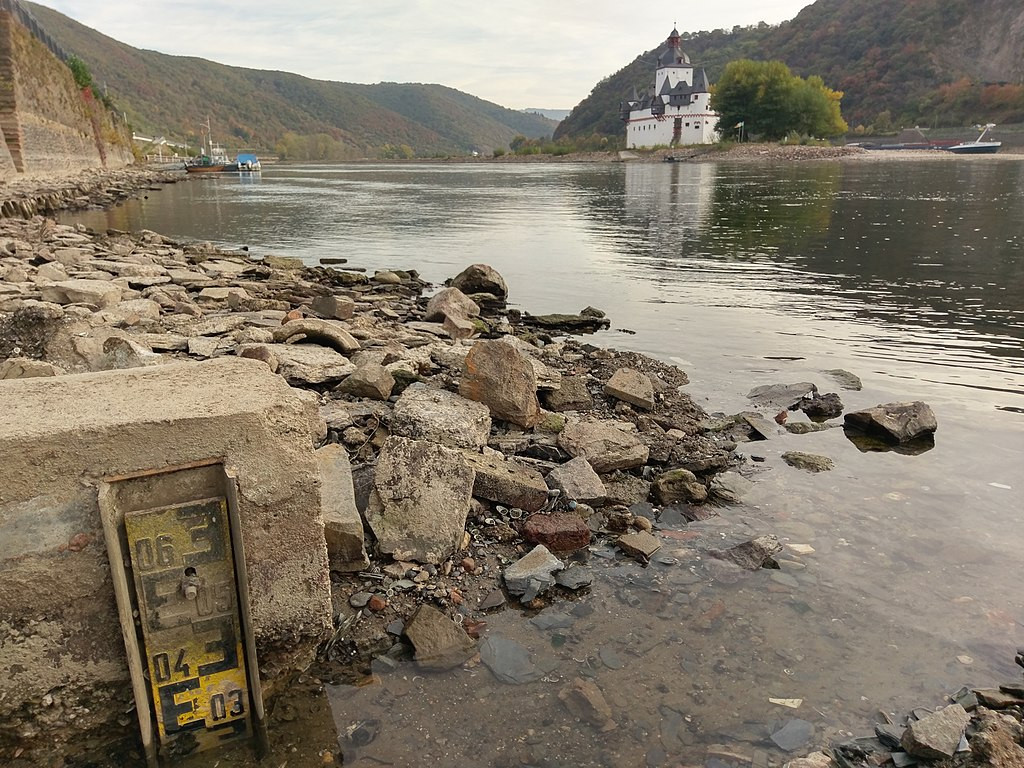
752	555
537	567
440	643
640	545
575	577
508	660
780	395
793	735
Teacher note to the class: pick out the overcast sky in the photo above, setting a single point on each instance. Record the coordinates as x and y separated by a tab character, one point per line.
531	53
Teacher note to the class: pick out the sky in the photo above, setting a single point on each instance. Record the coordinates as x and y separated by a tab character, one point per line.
530	54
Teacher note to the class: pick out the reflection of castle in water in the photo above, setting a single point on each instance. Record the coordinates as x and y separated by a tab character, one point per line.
671	203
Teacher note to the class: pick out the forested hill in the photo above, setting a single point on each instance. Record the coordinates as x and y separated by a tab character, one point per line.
172	95
927	62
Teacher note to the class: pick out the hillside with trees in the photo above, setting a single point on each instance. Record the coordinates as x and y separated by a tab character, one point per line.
927	62
271	111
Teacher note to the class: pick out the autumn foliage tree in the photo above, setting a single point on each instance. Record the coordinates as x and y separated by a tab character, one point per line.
771	102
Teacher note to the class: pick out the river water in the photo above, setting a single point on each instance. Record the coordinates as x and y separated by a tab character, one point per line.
909	274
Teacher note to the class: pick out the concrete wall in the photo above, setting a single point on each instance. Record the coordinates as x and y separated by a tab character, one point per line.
48	124
62	659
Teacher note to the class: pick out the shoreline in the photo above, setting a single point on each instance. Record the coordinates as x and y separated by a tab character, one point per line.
388	313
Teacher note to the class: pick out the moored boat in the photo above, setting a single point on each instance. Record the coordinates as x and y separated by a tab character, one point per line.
977	147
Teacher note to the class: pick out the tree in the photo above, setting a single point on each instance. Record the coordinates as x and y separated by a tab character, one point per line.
770	101
83	78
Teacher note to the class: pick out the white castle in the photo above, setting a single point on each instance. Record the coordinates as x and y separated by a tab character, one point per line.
679	111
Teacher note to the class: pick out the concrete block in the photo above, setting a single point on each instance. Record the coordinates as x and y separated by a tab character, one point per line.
65	440
343	527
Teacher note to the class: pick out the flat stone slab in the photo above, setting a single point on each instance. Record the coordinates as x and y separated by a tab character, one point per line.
641	544
507	482
537	567
343	526
631	386
307	363
780	395
577	480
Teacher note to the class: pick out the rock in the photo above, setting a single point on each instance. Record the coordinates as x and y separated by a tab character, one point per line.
508	660
343	527
631	386
577	481
730	486
53	272
623	488
585	701
370	380
503	379
480	278
813	760
936	735
679	485
120	353
548	379
334	307
575	577
998	740
326	332
533	572
459	327
806	427
218	295
780	395
808	461
450	302
263	354
26	368
507	482
764	429
441	417
821	407
567	323
572	395
793	735
136	309
439	642
752	555
894	422
99	293
640	545
559	531
305	363
420	499
604	445
203	346
845	379
287	263
998	698
387	277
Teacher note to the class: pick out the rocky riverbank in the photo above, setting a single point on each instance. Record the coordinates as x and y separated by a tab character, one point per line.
547	455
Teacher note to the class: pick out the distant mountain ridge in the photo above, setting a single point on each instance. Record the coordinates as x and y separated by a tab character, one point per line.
926	61
172	95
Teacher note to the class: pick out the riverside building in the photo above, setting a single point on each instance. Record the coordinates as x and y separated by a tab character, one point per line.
679	110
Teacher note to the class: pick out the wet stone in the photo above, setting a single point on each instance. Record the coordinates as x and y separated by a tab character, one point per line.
508	661
552	619
822	407
808	461
845	379
780	395
583	698
639	545
440	643
730	486
537	567
575	577
894	422
752	555
793	735
495	599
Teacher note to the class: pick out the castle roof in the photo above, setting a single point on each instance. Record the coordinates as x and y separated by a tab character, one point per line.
672	55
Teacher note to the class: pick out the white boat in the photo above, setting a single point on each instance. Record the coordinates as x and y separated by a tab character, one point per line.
978	147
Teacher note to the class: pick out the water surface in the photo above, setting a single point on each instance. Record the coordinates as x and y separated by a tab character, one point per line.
909	274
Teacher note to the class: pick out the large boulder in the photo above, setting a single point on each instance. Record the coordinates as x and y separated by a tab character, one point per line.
420	498
441	417
450	302
604	445
503	379
480	278
894	422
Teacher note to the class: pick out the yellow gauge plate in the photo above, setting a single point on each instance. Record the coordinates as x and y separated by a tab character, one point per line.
188	607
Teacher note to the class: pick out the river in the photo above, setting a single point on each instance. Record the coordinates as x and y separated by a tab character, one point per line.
909	274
